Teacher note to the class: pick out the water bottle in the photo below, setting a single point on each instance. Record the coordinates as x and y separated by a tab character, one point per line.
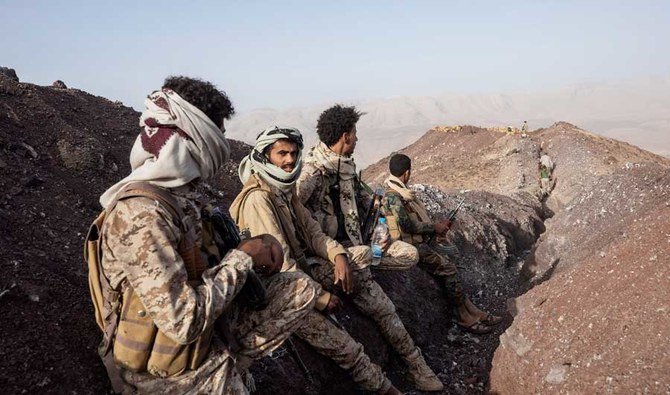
379	237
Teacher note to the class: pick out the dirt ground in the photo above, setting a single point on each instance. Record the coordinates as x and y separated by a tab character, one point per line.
61	148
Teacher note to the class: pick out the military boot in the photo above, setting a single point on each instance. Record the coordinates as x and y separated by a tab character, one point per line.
421	374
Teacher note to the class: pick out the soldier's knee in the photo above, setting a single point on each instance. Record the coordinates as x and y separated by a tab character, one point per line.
360	257
405	251
301	288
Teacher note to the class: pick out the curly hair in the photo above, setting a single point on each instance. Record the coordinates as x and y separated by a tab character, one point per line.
203	95
336	121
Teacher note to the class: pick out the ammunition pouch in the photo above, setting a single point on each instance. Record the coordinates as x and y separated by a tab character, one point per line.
139	346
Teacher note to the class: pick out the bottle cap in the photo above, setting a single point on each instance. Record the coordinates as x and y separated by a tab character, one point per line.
382	220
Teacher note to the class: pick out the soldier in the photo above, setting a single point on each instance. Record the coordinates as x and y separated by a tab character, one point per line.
546	180
268	204
330	187
164	303
408	220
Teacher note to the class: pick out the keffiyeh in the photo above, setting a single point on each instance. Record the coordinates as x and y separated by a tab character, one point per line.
177	145
257	162
408	196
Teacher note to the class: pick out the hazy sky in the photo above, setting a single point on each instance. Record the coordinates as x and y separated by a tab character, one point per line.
292	53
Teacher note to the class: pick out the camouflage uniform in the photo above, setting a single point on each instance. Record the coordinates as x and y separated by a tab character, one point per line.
312	189
429	259
260	216
140	250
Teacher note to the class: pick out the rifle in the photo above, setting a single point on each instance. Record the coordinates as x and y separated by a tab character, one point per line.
450	250
227	237
298	359
369	221
452	213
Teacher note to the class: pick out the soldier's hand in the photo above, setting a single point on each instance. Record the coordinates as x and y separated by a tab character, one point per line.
265	251
441	227
334	304
343	273
385	243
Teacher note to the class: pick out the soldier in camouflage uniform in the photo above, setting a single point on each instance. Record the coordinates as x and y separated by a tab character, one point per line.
268	204
330	188
180	327
408	220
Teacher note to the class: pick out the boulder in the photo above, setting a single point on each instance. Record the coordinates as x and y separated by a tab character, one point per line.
58	84
9	73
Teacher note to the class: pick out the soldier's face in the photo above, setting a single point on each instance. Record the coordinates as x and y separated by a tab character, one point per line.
350	140
283	154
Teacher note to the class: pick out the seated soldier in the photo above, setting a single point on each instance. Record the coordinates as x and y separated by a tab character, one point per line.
268	204
330	187
408	220
159	304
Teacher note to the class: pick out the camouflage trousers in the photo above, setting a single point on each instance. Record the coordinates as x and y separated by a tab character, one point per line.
338	345
291	298
368	296
441	267
399	256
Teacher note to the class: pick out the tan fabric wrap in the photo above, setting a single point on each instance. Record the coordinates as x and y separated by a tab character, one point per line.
279	222
304	226
138	345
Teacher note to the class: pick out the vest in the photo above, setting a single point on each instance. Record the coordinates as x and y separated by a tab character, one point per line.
129	332
295	240
395	230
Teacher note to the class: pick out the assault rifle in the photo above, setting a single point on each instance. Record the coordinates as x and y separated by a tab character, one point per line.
452	213
371	217
227	237
444	249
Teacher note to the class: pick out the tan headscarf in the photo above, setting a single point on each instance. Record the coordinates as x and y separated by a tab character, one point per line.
177	145
408	196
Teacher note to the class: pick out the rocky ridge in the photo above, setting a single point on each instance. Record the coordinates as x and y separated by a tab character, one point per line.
595	318
601	280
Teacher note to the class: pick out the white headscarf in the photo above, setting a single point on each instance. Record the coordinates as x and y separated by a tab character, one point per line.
257	162
177	145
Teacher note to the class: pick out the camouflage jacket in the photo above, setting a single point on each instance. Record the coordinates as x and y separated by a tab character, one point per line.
140	249
393	205
313	188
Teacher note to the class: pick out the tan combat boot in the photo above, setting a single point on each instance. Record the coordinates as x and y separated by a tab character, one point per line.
421	374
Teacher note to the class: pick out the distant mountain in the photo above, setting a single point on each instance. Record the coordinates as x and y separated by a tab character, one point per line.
637	112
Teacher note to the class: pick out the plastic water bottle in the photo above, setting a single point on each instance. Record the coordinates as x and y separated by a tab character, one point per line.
379	237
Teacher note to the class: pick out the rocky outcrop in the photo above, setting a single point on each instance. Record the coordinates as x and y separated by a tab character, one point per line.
600	326
470	158
9	73
58	84
598	322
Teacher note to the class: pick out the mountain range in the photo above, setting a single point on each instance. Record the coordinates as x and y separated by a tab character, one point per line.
635	111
